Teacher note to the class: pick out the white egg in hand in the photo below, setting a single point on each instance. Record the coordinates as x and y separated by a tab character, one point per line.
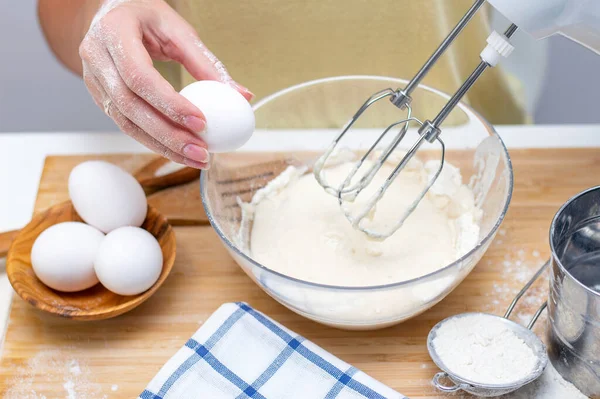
229	116
63	256
107	197
129	261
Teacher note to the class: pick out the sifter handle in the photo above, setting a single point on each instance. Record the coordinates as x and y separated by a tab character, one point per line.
512	305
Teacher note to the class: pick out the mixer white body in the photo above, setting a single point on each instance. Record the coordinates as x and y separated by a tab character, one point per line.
578	20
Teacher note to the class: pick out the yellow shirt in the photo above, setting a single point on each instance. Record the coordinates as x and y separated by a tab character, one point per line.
268	45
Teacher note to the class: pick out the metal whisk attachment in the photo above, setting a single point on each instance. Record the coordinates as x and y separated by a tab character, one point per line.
348	191
429	131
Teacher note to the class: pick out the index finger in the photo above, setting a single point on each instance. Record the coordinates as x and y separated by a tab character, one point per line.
137	71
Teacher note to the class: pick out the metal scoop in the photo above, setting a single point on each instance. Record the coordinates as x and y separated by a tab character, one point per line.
524	333
429	131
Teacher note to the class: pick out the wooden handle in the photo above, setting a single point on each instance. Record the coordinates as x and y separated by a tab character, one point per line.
5	240
181	205
151	182
177	196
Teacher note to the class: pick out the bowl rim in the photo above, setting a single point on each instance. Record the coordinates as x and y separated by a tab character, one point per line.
232	247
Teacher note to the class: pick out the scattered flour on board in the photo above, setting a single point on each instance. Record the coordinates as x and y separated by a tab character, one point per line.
47	370
550	385
74	368
517	267
70	388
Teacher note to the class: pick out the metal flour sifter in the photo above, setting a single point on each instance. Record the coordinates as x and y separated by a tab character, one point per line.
573	326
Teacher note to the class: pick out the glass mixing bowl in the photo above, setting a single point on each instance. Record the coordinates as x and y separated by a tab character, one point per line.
295	126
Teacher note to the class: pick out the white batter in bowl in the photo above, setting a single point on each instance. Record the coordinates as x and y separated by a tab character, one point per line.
294	241
298	229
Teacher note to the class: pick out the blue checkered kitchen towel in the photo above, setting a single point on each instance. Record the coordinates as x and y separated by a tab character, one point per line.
241	353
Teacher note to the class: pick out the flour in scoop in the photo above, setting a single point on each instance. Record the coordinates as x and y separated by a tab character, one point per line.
482	349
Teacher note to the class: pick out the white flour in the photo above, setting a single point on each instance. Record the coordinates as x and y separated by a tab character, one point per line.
217	65
39	377
70	388
482	349
550	385
517	267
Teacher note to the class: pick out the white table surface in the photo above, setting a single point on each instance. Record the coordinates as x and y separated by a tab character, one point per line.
22	158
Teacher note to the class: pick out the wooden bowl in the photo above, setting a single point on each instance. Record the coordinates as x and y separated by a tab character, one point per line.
94	303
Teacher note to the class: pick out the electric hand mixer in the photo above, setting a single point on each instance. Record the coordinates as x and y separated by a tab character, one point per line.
578	20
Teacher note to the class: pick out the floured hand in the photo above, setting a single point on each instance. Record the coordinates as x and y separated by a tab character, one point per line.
117	53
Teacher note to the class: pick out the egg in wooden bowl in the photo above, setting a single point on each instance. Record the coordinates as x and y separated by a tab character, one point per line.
93	303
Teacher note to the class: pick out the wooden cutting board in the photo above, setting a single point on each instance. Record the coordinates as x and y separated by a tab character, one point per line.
49	357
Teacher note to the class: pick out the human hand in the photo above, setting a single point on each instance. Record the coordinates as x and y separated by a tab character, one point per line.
117	53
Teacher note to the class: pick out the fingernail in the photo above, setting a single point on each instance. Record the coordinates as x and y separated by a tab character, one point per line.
196	153
242	89
196	165
194	123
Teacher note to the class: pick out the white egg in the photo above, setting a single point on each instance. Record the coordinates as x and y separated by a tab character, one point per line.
63	256
229	116
129	261
107	197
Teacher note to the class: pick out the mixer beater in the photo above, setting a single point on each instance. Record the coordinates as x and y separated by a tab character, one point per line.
498	45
